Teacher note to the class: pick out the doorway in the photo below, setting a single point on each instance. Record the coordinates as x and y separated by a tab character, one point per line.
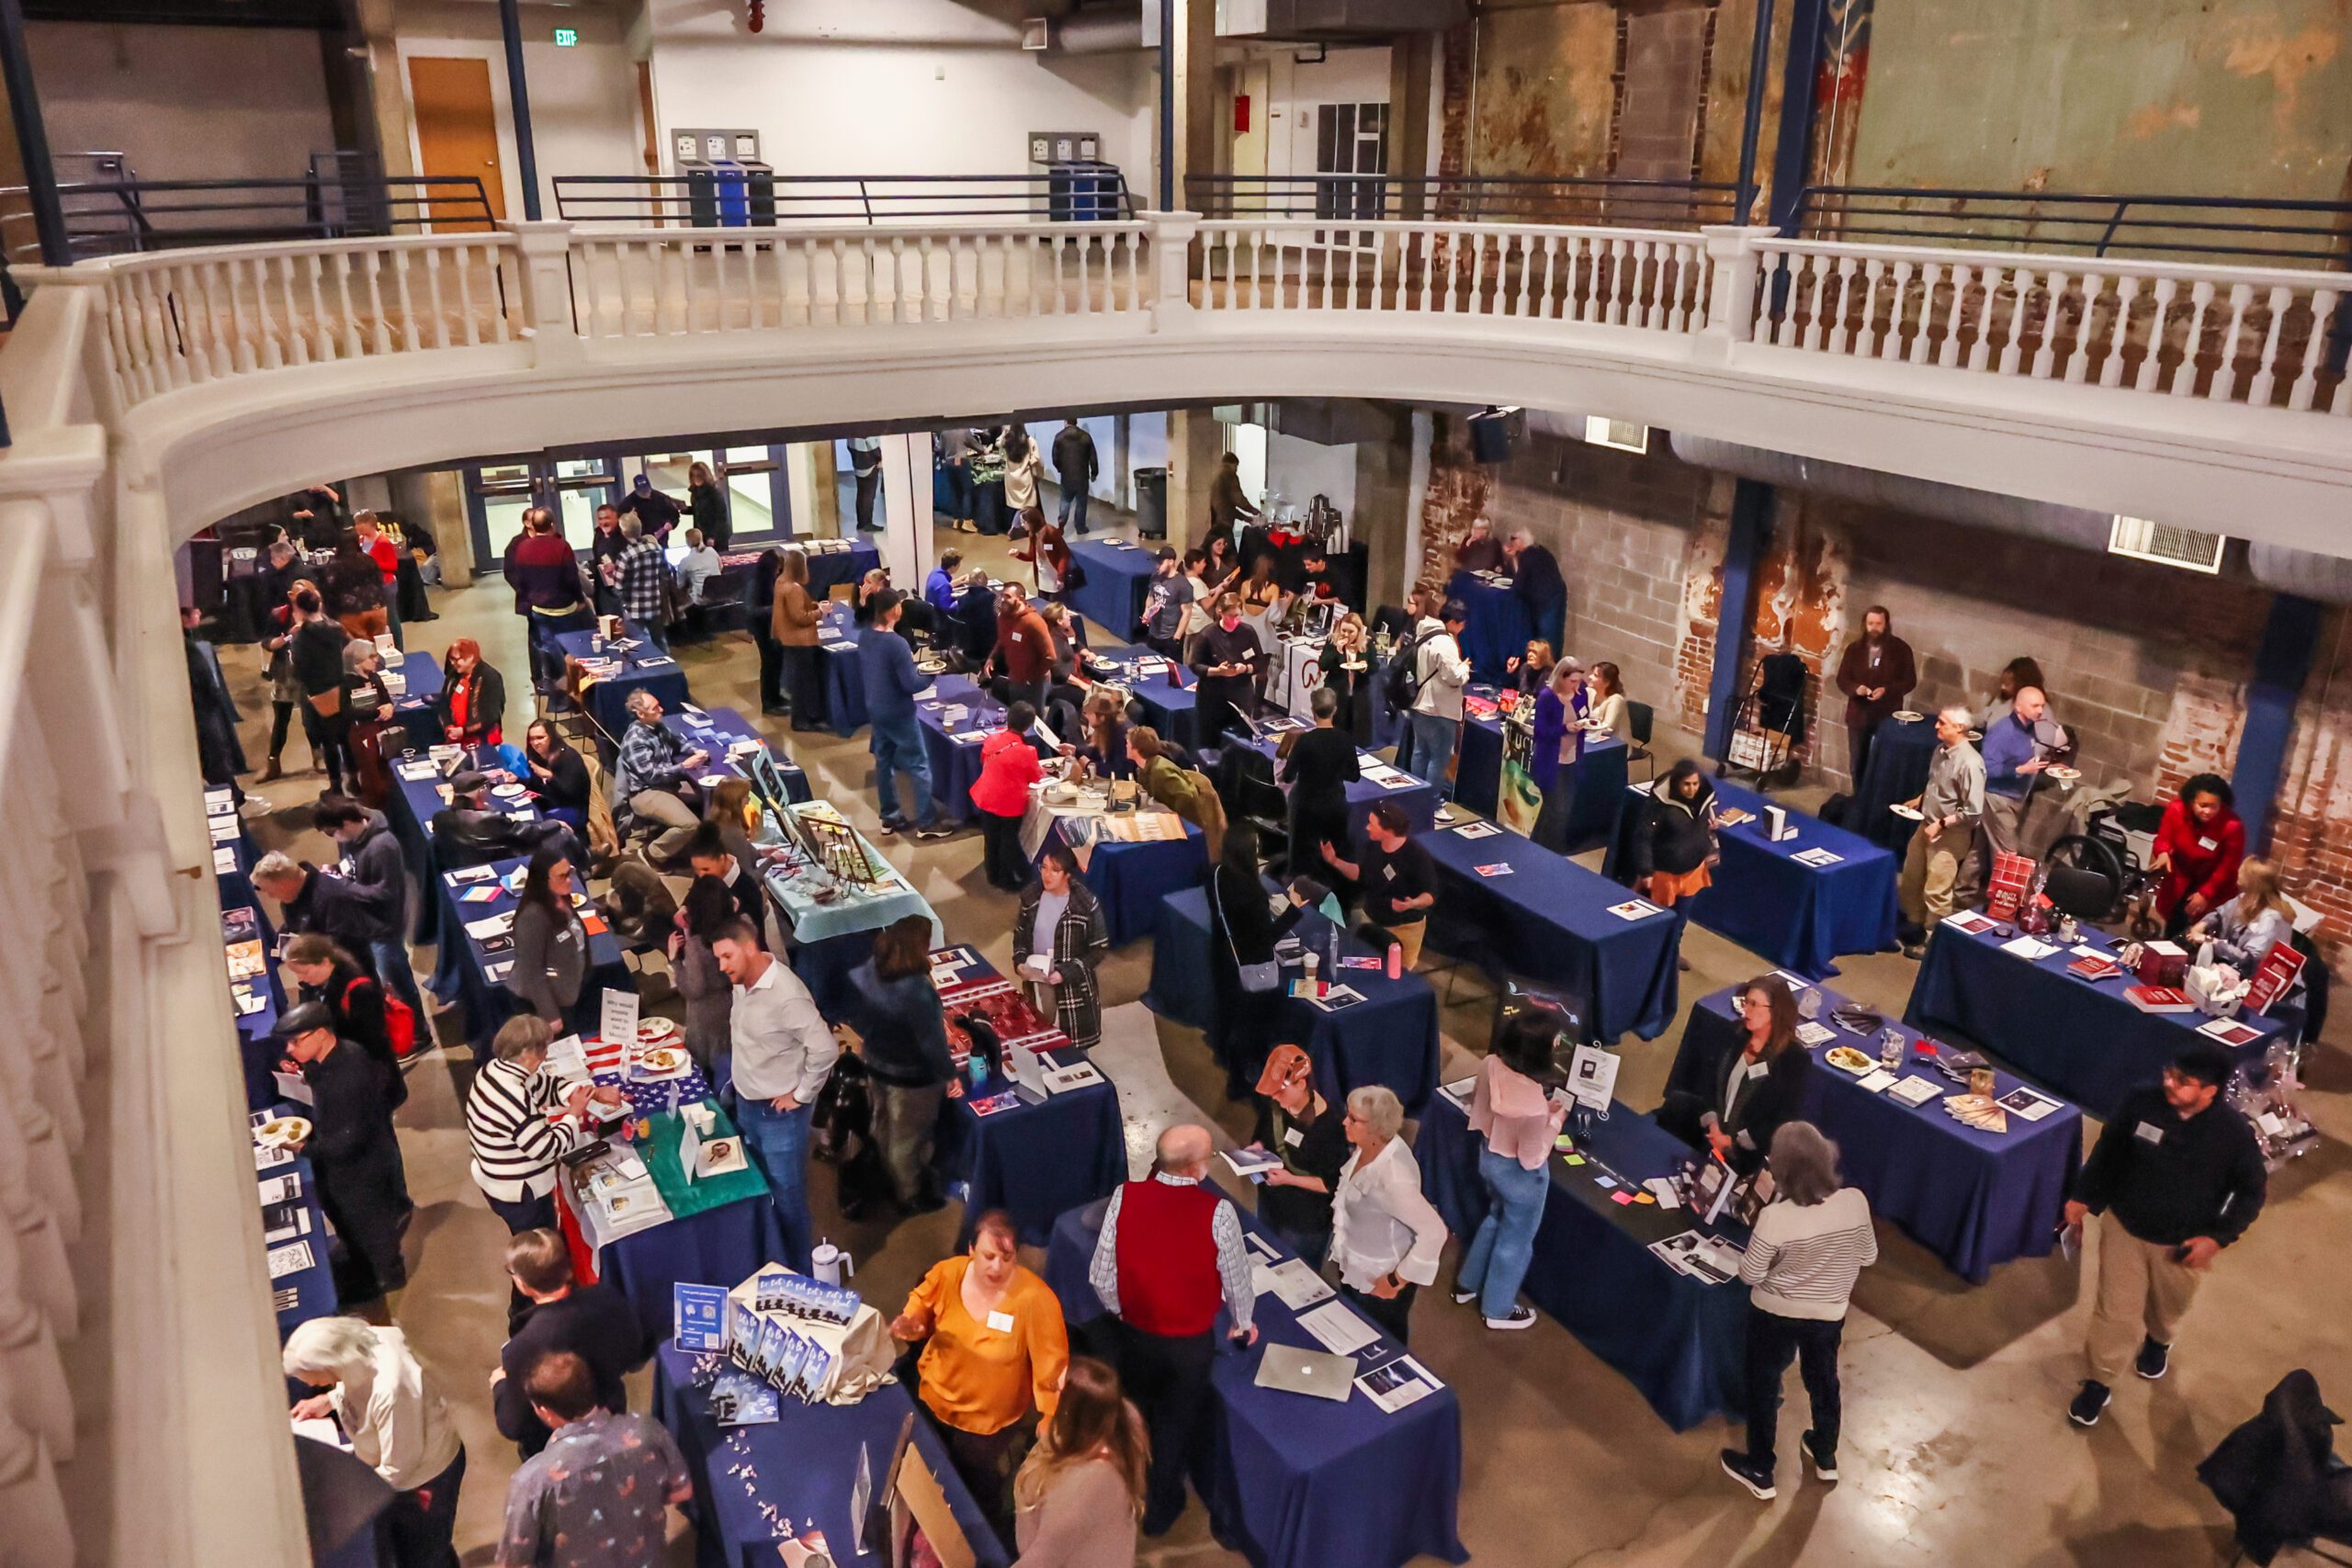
457	133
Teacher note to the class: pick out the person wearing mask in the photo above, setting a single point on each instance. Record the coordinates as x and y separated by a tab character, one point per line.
994	1351
1169	1254
520	1119
781	1054
655	777
307	901
1046	552
545	574
390	1409
1530	671
1536	583
1386	1236
1060	941
1075	466
375	876
1517	1114
654	512
706	911
1555	748
1753	1091
793	622
902	1036
1227	661
1229	504
1950	806
1606	710
1344	667
944	588
2177	1174
558	777
697	571
714	517
278	648
1298	1127
1479	550
1242	934
1810	1244
1078	1494
560	1316
1393	877
550	946
327	974
2200	839
1672	852
1024	649
2020	817
1317	768
473	704
1001	795
316	646
893	737
2245	929
606	544
642	575
598	1495
866	473
1876	672
1442	673
366	708
355	1156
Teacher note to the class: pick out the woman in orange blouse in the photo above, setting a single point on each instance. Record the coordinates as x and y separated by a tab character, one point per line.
994	1362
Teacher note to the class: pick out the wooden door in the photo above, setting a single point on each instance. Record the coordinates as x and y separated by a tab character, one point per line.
457	134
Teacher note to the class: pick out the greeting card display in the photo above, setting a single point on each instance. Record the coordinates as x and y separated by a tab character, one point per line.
2012	879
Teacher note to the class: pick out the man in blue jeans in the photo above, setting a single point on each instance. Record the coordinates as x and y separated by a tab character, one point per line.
780	1053
375	873
1435	722
888	664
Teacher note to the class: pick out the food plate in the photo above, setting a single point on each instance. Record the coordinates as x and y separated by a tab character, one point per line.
279	1132
1908	716
509	791
654	1031
2067	773
662	1062
1910	812
1848	1059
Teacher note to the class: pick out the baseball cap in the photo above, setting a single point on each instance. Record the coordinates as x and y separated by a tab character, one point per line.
467	782
301	1018
1285	1064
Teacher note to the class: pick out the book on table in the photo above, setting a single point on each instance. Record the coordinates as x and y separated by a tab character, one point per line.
2160	999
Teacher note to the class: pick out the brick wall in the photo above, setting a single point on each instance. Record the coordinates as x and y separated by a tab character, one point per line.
2311	825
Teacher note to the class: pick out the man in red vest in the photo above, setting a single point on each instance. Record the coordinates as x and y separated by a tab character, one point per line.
1170	1252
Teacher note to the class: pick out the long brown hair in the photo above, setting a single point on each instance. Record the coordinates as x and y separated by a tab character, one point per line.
1781	1005
902	948
1606	672
730	804
1092	1420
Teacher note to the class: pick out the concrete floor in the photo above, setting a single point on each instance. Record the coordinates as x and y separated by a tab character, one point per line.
1956	1444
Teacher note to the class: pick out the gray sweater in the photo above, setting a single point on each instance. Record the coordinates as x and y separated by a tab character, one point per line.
550	961
1085	1520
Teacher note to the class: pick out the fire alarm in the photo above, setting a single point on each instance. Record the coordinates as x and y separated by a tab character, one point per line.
759	14
1241	114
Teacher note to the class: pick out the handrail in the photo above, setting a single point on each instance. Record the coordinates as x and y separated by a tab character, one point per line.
2098	222
1560	198
2118	266
740	194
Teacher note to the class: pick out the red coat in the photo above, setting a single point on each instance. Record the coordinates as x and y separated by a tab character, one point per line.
1008	767
2204	859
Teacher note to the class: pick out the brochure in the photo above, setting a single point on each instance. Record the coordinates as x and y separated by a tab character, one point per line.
1342	1331
1293	1282
2027	1104
698	1316
1592	1077
1397	1384
1914	1091
1634	910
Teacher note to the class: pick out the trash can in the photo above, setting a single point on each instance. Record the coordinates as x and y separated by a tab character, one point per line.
702	192
759	193
1151	502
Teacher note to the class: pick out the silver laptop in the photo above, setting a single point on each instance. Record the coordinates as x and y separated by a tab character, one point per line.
1296	1370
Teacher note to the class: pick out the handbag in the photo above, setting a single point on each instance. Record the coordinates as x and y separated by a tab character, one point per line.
326	703
1256	978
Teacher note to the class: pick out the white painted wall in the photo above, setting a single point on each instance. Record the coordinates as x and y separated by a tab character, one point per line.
1293	89
891	86
583	99
184	103
1301	471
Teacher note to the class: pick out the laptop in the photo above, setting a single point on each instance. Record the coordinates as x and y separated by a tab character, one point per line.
1296	1370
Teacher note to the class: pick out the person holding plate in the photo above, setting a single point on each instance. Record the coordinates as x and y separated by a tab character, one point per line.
1058	938
1949	808
354	1155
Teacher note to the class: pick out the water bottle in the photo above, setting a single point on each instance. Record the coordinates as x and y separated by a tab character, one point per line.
1396	960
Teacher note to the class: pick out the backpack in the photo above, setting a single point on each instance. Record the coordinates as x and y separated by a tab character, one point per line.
1401	681
399	1019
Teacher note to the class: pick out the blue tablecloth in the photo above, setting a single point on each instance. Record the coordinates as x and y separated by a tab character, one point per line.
842	568
1678	1340
1390	1037
1798	916
414	713
1172	712
1973	1197
1498	628
1898	771
720	728
462	975
1295	1482
1596	784
724	1245
955	764
408	811
2077	1038
803	1465
1549	921
1117	577
644	666
840	676
1129	880
307	1292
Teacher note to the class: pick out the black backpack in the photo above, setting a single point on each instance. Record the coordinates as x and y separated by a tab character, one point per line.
1401	681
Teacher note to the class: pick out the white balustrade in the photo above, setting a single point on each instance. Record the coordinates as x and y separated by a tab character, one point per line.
2225	334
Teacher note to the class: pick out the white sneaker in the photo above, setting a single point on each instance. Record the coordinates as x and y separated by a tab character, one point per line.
1521	1317
1463	1298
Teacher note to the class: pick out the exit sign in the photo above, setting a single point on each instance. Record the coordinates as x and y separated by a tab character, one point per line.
566	36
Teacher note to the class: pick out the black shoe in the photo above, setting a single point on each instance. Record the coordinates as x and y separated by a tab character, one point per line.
935	830
2153	1360
1518	1317
1915	950
1756	1478
2089	1404
1824	1465
774	710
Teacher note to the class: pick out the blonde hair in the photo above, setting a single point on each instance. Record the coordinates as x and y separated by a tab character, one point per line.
2258	886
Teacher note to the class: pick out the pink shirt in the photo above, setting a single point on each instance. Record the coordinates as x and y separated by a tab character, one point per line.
1512	1111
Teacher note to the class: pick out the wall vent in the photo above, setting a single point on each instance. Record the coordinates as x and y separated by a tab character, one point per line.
2166	545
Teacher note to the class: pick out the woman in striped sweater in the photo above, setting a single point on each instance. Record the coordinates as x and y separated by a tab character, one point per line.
521	1119
1809	1245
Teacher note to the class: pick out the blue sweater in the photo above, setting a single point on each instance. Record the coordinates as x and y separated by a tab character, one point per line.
2007	744
891	678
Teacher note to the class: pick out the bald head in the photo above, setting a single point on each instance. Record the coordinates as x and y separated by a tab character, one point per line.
1184	1150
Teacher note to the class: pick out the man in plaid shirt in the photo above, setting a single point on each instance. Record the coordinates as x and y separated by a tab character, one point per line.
656	770
644	582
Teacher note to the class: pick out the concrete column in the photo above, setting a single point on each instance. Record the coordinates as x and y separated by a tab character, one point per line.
1386	520
1195	448
906	505
808	482
1751	526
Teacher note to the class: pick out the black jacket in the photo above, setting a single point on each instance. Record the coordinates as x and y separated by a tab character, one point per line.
1074	460
485	711
1676	836
1763	1104
377	882
317	648
2170	1178
1243	926
594	1322
328	906
567	782
1535	579
2276	1473
356	999
464	836
709	504
353	583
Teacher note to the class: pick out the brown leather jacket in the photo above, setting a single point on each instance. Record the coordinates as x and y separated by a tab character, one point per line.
794	620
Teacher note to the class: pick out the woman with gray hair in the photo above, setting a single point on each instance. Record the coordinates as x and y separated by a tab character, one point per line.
1386	1236
1810	1243
388	1407
367	708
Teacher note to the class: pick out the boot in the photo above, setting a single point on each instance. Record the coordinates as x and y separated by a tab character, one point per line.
271	774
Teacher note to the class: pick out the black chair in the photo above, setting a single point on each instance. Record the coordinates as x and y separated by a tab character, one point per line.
1640	718
2085	895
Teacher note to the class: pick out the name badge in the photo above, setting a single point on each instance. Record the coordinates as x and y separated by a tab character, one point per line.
2208	845
1293	1137
1001	1322
2148	1134
1387	873
1016	637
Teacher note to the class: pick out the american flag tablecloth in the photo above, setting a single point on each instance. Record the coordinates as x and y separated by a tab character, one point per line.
607	1066
970	984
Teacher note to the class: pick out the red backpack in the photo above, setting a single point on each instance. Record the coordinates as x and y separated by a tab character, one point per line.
399	1019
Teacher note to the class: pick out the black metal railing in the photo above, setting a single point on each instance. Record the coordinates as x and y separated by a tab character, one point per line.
114	217
2185	228
1495	199
749	195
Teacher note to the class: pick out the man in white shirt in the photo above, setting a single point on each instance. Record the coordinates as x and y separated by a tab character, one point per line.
780	1053
1442	673
697	568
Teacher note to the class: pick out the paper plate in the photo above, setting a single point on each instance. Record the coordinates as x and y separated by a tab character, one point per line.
1911	813
281	1131
1908	716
